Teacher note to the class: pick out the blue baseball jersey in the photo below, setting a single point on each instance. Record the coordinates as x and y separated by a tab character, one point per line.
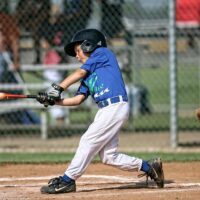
104	78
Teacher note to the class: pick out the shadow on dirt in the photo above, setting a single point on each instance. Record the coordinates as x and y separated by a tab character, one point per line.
138	185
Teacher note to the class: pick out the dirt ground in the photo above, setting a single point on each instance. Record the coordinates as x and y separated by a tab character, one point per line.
101	182
23	182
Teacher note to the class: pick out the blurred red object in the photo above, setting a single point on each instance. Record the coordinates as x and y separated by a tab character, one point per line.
188	13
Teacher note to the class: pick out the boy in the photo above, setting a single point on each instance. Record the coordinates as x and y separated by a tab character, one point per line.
101	78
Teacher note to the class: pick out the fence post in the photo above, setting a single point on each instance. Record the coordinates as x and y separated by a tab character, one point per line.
173	74
44	129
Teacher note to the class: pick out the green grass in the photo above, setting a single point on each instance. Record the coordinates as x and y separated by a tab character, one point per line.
35	157
161	120
66	157
157	82
169	157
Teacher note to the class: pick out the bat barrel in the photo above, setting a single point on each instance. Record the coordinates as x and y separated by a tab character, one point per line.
15	96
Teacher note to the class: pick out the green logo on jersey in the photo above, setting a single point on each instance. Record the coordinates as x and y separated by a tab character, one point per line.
91	82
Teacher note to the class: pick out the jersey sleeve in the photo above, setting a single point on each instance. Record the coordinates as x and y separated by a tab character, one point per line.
97	59
83	89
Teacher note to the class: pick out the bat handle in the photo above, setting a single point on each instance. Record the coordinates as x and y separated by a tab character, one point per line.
32	96
46	104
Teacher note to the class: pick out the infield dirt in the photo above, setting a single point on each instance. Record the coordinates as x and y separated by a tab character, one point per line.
23	182
101	182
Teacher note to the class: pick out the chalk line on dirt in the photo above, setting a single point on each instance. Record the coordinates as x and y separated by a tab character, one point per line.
117	178
106	180
88	184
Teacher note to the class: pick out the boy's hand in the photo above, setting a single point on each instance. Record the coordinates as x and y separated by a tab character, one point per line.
44	99
55	91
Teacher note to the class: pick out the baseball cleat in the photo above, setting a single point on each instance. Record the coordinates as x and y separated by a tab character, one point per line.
156	172
58	185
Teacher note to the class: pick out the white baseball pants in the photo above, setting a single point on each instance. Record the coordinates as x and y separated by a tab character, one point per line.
102	138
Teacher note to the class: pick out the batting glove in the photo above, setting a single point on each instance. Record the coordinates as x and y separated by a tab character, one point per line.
44	99
56	91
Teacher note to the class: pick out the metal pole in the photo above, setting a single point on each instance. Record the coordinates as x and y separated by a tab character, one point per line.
44	131
173	74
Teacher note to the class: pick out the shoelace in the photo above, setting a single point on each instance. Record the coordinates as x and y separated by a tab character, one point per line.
54	181
148	175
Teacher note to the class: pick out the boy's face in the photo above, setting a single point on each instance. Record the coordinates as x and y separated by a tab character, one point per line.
80	55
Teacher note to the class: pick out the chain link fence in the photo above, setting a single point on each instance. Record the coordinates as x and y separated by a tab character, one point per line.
137	31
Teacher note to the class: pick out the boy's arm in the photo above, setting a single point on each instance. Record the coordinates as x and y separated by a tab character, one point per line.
71	101
73	78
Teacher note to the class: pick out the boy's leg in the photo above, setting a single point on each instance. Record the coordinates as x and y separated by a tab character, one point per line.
106	124
109	155
152	168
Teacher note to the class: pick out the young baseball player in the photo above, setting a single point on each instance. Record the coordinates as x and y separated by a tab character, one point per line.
101	78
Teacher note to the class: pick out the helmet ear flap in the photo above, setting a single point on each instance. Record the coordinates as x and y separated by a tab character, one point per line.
88	46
